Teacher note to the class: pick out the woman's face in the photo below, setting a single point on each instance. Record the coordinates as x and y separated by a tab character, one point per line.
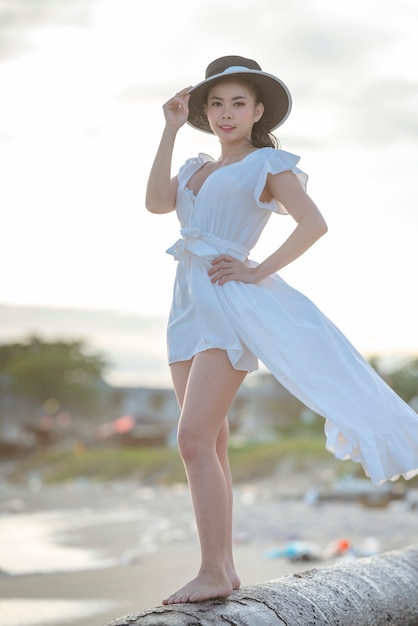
232	110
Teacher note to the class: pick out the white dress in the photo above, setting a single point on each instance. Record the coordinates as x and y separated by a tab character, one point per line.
272	322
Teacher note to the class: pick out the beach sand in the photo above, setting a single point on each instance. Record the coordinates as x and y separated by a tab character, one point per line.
130	587
86	553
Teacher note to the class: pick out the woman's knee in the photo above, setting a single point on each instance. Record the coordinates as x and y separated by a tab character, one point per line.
192	442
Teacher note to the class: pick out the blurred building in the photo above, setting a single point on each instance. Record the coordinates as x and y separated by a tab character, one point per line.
141	416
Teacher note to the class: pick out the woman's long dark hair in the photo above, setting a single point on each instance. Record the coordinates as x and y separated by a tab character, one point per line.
260	137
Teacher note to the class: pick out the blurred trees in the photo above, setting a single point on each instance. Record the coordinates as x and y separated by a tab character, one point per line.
55	376
405	380
59	375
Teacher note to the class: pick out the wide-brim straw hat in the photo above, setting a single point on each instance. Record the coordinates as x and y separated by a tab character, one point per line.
275	95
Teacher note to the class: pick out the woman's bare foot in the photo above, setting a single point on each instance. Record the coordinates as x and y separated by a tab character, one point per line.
205	586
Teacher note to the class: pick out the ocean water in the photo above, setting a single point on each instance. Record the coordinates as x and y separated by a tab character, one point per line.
35	543
75	528
85	538
41	543
21	612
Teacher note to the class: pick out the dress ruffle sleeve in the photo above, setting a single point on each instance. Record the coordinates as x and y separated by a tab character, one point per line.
278	161
190	166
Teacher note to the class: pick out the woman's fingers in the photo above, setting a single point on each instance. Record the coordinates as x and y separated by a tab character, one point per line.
221	263
180	99
226	268
176	109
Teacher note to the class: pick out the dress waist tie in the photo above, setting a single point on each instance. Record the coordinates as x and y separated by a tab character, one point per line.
194	241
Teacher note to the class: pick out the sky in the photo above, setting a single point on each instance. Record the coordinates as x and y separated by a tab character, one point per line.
82	85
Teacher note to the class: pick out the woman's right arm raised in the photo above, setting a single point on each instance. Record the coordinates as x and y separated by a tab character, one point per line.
161	189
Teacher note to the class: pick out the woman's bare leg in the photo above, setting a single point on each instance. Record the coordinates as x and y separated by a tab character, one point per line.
180	375
205	398
222	452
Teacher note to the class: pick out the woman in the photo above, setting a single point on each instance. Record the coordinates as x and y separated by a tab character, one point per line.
228	312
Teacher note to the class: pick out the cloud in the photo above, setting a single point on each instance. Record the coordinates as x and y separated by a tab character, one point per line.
341	65
18	18
146	91
386	113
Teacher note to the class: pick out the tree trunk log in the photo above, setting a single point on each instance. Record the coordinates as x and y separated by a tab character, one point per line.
370	591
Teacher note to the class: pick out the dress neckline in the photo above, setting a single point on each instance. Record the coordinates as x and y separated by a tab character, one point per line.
209	159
